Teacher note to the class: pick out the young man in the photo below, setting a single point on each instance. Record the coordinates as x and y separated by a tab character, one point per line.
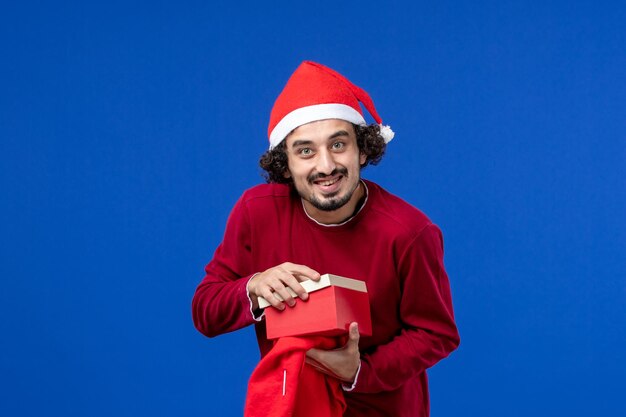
316	215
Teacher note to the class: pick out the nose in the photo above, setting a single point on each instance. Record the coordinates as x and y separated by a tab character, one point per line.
325	162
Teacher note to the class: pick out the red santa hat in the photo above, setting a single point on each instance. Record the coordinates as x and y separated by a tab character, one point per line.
315	92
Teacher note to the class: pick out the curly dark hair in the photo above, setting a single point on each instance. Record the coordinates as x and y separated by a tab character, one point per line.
368	139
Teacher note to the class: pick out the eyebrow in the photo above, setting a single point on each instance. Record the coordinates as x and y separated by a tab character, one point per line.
339	133
303	142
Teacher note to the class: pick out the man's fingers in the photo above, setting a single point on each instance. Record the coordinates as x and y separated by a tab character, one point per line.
317	358
340	363
298	273
286	295
275	284
313	353
268	293
292	282
302	272
319	366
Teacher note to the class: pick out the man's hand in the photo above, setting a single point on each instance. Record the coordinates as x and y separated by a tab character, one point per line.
277	280
341	363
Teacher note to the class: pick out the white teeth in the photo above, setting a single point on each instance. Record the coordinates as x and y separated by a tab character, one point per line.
327	183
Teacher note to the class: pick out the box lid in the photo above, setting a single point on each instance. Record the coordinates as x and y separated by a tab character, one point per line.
325	281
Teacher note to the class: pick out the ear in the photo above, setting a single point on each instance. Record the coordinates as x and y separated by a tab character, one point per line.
362	158
287	174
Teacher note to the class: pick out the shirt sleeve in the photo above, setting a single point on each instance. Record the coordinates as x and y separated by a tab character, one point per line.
428	331
221	303
350	387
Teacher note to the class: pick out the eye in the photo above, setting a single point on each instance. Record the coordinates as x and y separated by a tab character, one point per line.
305	151
338	145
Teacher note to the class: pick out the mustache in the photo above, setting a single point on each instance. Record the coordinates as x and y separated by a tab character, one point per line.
315	177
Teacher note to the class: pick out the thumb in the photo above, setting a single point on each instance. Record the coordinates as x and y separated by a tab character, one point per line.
354	335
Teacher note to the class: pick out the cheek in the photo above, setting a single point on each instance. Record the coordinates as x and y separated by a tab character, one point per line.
300	169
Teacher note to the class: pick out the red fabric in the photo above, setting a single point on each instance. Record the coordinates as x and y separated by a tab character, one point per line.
390	245
313	83
283	385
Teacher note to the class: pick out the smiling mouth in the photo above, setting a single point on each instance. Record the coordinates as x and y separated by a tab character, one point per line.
327	183
329	187
328	179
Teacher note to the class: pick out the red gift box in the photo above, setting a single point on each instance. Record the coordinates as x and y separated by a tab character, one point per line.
334	302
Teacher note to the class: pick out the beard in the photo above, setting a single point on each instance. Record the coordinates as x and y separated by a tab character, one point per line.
330	202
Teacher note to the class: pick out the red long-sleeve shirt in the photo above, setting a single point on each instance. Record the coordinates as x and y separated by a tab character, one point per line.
389	244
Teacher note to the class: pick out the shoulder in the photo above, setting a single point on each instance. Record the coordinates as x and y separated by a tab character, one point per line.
261	204
395	213
266	200
265	192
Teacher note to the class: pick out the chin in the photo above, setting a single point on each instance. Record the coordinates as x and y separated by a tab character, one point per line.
330	203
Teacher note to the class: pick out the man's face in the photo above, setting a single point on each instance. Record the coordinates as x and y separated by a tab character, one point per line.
325	163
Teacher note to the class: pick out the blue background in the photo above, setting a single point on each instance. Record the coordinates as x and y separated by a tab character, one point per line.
128	130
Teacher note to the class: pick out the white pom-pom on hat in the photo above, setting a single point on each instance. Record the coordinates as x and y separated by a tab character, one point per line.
386	133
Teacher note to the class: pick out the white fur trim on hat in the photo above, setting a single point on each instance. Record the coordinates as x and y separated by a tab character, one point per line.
309	114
